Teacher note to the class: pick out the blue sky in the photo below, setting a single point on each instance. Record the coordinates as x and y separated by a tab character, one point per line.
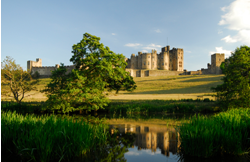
48	29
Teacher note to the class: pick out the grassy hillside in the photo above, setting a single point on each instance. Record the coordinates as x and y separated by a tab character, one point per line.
163	87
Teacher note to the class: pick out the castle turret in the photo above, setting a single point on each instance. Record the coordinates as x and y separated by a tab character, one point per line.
139	60
154	60
37	63
179	59
164	58
216	60
134	61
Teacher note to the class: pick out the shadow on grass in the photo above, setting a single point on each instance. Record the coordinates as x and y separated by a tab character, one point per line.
205	88
218	78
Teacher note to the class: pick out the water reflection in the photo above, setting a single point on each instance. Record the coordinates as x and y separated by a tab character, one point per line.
153	138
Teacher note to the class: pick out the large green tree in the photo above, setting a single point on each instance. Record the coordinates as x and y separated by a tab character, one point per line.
235	90
96	68
15	81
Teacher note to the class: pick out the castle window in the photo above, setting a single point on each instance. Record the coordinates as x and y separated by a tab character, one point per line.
153	63
144	63
162	63
148	63
148	56
165	63
162	57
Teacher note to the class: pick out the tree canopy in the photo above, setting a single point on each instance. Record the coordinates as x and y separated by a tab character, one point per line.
17	80
235	90
96	69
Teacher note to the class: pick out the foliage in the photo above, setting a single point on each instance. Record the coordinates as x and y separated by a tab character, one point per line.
69	92
225	133
36	75
163	106
235	90
124	83
96	67
19	81
47	138
99	64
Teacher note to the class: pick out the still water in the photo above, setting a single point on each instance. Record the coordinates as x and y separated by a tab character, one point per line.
148	139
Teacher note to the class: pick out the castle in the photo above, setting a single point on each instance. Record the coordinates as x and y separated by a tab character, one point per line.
167	62
44	71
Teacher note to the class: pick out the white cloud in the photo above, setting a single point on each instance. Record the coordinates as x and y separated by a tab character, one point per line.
144	51
221	50
229	39
188	51
113	34
133	44
220	32
158	31
152	47
237	18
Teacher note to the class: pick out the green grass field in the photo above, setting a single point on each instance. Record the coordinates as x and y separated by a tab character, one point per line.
150	88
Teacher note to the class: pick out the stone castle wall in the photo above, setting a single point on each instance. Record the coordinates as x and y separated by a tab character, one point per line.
44	71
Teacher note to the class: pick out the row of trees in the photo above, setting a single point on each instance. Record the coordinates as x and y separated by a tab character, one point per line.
98	70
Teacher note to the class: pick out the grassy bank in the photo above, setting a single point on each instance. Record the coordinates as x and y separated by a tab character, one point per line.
162	106
225	133
129	107
47	138
148	88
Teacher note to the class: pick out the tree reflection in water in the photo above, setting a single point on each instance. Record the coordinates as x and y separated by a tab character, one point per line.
114	149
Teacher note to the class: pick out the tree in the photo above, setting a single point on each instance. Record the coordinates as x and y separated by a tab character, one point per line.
125	83
235	90
17	81
96	67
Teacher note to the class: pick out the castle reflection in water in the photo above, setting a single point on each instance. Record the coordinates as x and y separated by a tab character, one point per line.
151	137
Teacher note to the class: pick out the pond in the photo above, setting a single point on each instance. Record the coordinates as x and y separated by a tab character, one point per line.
147	138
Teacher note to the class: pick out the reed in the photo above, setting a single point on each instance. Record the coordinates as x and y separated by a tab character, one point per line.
225	133
47	138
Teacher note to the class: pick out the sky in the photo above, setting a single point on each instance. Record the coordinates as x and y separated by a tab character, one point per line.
48	29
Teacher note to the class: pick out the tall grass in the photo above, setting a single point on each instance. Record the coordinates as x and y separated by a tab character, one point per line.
47	138
227	132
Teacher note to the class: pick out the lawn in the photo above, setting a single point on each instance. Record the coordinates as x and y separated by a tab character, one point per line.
149	88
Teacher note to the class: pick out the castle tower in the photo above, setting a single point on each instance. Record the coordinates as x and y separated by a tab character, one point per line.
179	59
148	60
216	60
37	63
154	60
139	60
164	58
134	61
